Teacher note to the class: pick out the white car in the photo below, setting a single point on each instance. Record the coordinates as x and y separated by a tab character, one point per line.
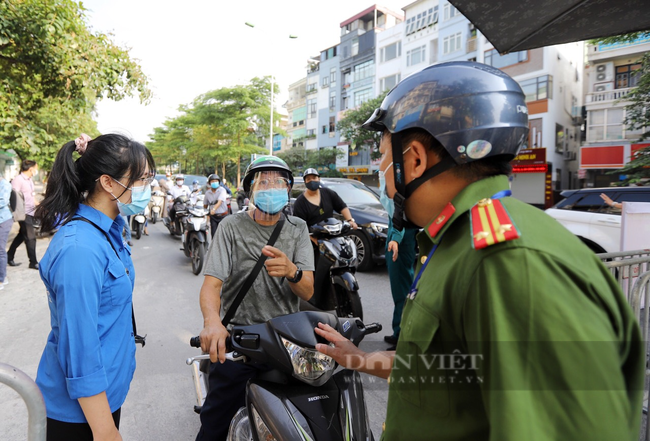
585	214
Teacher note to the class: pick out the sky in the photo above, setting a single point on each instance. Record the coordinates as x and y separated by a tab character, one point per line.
190	47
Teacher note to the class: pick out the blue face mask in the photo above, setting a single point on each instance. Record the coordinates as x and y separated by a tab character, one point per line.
386	202
214	185
271	201
140	197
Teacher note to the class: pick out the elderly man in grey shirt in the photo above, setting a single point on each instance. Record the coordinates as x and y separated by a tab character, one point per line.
286	278
23	184
215	200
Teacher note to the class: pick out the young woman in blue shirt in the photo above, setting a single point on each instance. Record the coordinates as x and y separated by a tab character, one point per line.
89	358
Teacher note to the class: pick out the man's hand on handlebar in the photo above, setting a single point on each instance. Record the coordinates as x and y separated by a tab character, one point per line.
213	341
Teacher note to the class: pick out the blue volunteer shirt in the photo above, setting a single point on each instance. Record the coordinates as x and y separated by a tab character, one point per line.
91	347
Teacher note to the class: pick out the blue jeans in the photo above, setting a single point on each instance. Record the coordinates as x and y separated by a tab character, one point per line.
5	228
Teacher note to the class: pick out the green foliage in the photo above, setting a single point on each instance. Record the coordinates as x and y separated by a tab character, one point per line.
299	159
218	128
350	126
637	115
53	69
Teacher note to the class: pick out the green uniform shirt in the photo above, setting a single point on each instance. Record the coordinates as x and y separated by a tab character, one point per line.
529	339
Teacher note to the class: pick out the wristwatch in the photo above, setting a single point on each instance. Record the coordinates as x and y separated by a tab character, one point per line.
297	277
350	220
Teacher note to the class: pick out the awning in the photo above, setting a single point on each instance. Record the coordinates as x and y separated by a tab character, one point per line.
515	25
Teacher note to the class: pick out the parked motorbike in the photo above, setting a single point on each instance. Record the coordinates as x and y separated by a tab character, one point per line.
137	223
300	397
194	238
156	206
335	285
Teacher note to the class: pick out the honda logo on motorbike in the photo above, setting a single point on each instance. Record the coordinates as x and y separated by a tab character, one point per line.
318	397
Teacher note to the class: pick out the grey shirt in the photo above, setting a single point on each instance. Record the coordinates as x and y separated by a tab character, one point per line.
212	197
234	251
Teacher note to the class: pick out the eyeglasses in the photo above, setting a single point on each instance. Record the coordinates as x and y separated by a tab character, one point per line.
272	183
147	180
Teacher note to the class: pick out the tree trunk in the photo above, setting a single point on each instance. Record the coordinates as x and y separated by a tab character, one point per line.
238	169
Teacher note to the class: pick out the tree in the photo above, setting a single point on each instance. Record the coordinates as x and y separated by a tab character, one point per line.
53	69
219	127
350	126
299	159
637	113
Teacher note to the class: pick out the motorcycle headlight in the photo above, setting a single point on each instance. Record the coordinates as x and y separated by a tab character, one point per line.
240	428
379	228
309	365
334	230
263	432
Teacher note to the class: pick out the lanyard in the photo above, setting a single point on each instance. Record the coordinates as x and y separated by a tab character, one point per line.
414	291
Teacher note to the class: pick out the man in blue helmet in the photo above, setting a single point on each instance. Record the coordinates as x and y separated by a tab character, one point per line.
512	329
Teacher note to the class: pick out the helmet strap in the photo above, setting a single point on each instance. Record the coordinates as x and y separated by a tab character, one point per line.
403	191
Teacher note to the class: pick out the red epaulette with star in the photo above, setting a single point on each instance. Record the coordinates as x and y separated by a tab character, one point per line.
491	224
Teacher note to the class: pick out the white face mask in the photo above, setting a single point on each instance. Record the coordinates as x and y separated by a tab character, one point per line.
35	172
179	183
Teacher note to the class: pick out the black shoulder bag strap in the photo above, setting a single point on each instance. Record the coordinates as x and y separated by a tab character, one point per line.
138	338
251	277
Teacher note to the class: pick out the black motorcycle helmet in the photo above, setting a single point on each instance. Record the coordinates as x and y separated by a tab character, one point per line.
266	163
214	177
463	105
473	110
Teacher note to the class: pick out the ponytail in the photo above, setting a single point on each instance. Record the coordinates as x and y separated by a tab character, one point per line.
62	196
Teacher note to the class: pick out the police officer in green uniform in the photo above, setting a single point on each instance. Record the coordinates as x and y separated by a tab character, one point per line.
513	329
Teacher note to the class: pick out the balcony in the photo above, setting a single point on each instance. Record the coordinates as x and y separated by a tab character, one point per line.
311	90
608	95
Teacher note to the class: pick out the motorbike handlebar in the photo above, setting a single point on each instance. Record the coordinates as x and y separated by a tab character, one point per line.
372	328
195	342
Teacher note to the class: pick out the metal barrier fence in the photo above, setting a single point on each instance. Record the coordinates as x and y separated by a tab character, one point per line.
27	389
631	269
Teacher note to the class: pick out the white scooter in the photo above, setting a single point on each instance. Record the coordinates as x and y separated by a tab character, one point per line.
156	205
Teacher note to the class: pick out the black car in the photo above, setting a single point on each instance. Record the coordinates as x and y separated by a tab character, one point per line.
367	212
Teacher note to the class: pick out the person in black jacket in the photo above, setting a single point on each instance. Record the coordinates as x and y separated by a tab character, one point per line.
319	203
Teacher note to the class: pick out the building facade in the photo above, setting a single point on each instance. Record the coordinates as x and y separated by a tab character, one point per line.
296	107
612	73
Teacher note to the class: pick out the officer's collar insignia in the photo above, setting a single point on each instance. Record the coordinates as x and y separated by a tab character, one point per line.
491	223
441	220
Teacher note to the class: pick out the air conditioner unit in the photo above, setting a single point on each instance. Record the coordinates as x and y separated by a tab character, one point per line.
601	73
604	87
604	72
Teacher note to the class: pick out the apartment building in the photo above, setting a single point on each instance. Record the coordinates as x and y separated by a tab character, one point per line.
612	73
357	69
328	98
313	79
296	107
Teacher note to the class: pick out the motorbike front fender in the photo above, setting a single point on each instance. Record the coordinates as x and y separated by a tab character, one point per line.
200	236
346	280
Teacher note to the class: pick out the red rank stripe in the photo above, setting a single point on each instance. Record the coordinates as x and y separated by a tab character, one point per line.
441	220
